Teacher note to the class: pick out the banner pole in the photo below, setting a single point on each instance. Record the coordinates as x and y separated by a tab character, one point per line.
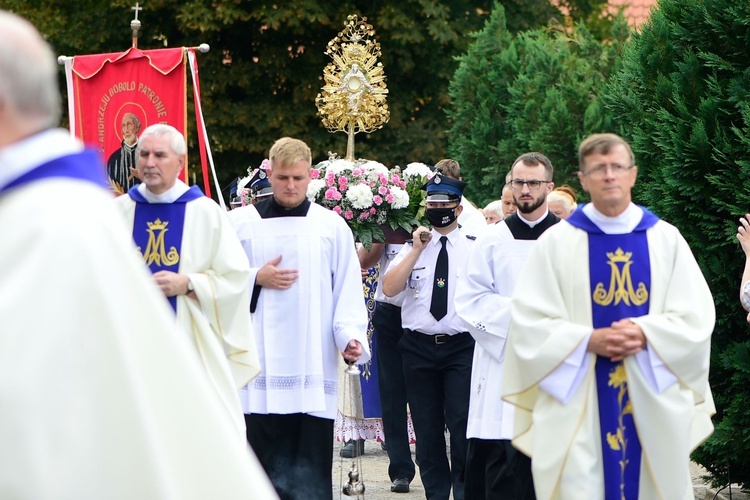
202	133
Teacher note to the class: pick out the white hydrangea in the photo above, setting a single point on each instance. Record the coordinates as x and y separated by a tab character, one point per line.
242	183
374	167
417	169
400	198
338	166
360	196
314	188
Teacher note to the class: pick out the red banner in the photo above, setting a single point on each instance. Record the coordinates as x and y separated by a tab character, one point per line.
118	95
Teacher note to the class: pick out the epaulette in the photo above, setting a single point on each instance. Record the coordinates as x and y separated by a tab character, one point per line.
472	238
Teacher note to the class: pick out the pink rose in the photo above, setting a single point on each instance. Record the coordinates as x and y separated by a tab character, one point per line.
364	215
314	173
372	210
389	198
395	179
330	179
357	172
383	179
336	195
377	200
402	184
348	215
331	193
383	190
337	209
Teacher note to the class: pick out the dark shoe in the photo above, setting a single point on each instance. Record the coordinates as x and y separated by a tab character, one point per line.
400	485
353	449
383	446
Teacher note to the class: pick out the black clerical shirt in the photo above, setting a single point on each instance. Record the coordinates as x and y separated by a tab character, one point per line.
522	231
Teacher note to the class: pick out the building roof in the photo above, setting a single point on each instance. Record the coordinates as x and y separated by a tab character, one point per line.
636	11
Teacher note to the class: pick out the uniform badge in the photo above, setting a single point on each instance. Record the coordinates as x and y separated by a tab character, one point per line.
262	174
437	179
441	282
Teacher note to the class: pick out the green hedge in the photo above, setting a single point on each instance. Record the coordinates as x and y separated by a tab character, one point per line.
534	91
682	98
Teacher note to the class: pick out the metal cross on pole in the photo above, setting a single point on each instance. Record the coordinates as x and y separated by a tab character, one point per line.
135	24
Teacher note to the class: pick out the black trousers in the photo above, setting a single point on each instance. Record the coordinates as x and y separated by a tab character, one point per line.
296	451
438	382
496	470
386	321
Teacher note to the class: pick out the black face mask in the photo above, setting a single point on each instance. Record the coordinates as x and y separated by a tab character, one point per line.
441	217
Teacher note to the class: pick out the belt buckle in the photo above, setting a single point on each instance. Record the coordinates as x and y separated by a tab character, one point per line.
441	339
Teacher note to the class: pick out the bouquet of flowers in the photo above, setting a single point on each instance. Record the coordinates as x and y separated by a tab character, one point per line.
369	196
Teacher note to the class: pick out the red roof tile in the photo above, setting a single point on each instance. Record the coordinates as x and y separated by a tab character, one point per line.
637	11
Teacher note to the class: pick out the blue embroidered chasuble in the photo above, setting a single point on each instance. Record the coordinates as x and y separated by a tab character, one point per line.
157	231
80	166
620	274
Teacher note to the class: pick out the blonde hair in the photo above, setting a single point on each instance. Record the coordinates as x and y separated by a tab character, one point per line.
566	195
449	168
288	151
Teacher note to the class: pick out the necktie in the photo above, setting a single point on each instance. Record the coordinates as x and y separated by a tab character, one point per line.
439	304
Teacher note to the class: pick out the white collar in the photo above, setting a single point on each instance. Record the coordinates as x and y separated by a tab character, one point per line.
532	223
169	196
452	236
23	156
620	224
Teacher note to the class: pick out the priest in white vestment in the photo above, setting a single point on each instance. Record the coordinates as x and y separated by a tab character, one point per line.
494	469
196	259
307	312
100	396
608	353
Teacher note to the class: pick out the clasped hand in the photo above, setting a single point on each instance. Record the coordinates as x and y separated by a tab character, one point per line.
618	341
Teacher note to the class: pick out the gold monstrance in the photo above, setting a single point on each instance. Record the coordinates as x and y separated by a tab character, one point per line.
353	97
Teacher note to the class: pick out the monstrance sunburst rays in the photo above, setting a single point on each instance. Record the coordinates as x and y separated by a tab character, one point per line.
353	97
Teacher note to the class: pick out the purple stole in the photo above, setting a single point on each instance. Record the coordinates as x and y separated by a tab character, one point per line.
620	274
157	231
81	166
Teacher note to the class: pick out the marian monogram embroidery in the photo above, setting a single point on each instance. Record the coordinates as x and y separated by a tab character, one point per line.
620	283
156	252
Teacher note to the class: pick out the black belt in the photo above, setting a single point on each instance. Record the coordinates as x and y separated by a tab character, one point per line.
434	338
389	307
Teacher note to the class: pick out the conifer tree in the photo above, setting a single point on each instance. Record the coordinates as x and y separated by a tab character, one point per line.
534	91
682	99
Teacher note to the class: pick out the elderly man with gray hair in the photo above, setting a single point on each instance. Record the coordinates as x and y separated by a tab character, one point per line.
101	398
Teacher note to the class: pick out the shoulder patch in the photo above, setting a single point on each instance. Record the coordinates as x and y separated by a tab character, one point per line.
472	238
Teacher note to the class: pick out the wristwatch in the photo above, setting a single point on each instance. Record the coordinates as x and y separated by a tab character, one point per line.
190	286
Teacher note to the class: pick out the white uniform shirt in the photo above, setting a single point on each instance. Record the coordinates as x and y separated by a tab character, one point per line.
389	254
415	314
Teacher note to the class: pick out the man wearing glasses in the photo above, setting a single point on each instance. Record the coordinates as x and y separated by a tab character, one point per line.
494	469
608	352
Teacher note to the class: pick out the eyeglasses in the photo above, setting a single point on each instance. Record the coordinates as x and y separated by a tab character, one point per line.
601	170
533	184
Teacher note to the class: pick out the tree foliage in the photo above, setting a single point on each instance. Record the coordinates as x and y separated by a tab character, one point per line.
532	91
260	79
682	98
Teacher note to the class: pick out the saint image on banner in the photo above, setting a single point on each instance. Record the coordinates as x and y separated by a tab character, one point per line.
121	165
